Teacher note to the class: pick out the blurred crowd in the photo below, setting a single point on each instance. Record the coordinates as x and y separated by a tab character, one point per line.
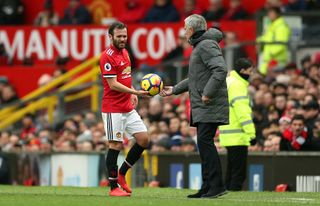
285	109
168	128
135	11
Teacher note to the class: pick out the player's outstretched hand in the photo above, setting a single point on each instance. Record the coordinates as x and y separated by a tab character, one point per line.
166	91
142	93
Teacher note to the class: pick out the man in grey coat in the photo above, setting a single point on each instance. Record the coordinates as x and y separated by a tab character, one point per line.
207	87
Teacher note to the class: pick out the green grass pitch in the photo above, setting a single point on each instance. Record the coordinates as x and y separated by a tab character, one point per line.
63	196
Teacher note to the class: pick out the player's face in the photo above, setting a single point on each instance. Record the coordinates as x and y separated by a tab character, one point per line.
119	38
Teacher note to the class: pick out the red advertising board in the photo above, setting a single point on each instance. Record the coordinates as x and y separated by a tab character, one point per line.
149	43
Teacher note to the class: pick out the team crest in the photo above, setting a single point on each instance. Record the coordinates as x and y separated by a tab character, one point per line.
107	67
118	135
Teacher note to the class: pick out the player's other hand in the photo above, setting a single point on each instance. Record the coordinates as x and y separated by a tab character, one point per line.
134	100
166	91
142	93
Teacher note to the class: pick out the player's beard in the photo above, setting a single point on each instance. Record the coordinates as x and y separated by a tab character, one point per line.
119	44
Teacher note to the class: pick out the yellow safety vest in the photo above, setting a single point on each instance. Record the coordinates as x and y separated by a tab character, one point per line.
277	31
241	128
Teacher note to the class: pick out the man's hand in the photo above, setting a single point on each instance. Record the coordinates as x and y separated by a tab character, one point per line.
205	99
134	100
166	91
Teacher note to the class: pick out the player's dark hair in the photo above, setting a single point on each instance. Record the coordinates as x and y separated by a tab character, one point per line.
116	25
242	63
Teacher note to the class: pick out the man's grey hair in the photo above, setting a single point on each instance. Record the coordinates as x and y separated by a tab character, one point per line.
195	21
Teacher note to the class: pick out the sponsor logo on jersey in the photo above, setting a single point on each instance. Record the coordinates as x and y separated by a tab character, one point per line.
127	70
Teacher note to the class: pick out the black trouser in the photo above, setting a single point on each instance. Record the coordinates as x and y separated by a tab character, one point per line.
237	167
210	161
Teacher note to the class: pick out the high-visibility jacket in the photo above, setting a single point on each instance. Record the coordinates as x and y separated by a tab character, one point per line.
277	31
241	128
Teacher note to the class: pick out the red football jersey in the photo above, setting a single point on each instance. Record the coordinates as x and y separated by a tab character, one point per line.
116	63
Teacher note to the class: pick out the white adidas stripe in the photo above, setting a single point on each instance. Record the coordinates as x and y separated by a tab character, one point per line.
109	52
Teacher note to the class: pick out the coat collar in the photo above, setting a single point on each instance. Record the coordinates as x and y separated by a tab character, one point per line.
238	77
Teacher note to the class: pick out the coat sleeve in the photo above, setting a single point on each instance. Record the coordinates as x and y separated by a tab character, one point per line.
212	58
181	87
239	102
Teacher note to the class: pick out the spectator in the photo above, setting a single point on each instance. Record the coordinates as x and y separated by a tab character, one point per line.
161	145
46	145
86	146
90	117
85	133
67	146
305	64
311	114
295	138
190	7
284	123
44	80
47	17
76	13
215	11
313	4
163	127
183	50
280	104
314	72
178	56
279	88
155	110
28	126
162	11
278	31
176	143
5	141
185	129
188	145
11	12
269	4
5	59
272	143
3	82
5	176
59	72
8	95
174	127
235	11
232	48
295	5
134	11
